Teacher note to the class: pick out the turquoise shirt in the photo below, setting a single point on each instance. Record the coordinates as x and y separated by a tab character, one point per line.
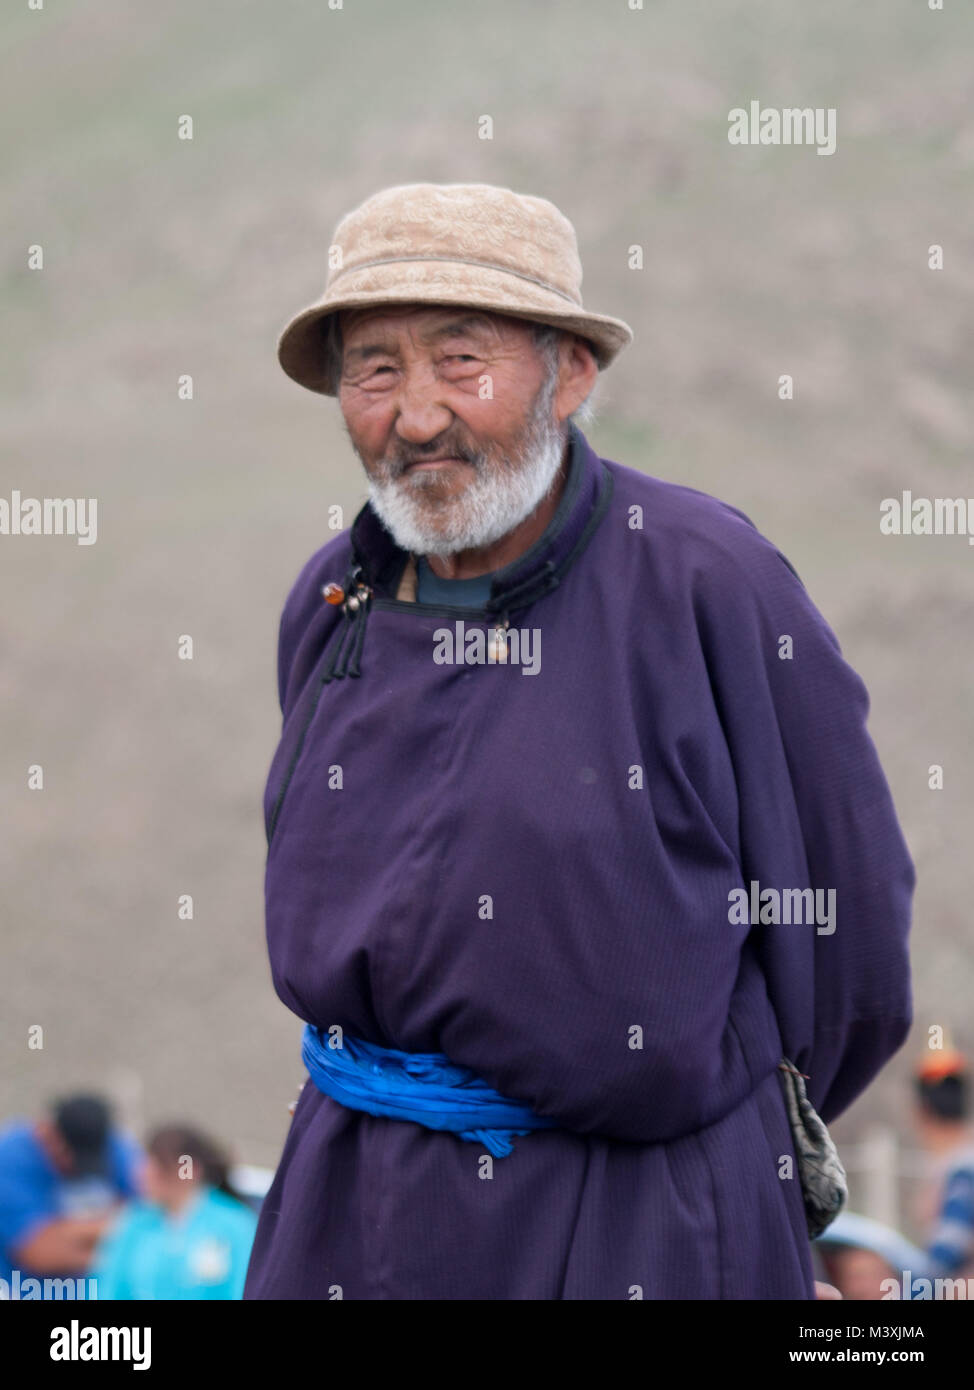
202	1253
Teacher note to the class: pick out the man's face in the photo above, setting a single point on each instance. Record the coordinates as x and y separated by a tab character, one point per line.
454	414
56	1146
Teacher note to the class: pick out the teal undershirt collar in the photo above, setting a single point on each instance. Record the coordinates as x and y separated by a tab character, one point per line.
459	593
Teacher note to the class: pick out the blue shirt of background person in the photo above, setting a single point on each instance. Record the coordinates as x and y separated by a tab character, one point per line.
943	1099
187	1237
62	1179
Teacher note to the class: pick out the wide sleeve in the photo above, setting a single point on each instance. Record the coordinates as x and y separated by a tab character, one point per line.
815	811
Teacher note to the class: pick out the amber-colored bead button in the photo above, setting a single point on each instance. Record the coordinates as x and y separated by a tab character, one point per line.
333	593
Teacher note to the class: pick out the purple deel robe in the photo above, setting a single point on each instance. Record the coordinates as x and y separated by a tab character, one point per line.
533	874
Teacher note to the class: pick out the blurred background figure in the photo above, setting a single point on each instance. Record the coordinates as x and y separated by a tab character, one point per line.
946	1208
62	1179
188	1236
857	1273
867	1260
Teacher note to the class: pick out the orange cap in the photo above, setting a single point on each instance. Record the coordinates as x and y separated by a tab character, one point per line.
937	1063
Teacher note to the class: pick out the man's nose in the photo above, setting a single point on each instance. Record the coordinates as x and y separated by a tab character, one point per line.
421	415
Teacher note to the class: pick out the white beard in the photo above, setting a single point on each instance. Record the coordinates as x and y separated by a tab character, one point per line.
500	496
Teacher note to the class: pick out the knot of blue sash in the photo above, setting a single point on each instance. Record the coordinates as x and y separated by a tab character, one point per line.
425	1087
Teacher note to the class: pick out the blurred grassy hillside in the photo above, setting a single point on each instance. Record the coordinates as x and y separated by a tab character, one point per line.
164	257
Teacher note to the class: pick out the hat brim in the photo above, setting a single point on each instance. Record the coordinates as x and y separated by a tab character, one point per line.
302	351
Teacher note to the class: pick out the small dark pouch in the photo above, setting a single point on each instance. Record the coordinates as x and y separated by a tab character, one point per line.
820	1170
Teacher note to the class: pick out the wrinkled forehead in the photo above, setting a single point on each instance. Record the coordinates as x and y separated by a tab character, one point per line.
425	323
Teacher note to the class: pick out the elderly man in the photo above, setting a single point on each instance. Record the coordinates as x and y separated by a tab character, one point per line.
543	917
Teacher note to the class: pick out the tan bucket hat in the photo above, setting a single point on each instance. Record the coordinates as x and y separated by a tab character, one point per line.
469	244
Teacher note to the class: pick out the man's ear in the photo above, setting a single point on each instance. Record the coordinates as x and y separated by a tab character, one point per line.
577	374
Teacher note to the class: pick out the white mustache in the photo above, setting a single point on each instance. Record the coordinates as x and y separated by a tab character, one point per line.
394	468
